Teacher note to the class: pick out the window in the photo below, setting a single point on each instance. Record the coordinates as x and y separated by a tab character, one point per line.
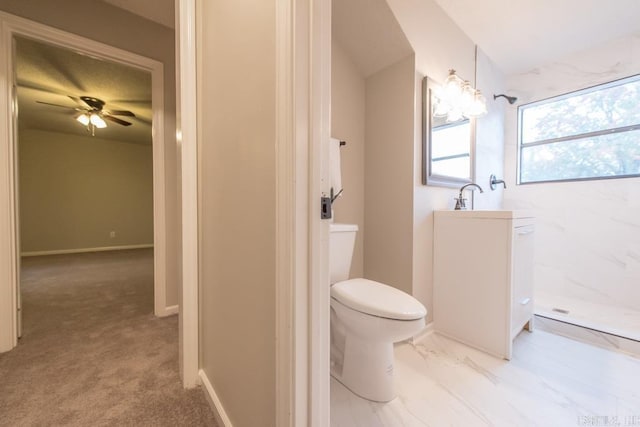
593	133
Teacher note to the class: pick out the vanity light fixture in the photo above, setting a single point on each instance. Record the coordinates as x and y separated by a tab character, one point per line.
457	99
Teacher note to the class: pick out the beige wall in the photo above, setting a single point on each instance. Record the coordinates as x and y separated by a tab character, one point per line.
397	207
75	190
236	116
375	116
373	110
389	174
439	45
348	124
113	26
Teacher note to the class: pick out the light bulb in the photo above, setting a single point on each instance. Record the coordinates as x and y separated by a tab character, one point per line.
83	118
97	121
466	97
452	87
478	107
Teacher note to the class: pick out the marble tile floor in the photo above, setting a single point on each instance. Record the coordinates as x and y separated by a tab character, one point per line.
551	381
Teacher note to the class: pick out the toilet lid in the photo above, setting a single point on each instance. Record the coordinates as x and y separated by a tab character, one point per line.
377	299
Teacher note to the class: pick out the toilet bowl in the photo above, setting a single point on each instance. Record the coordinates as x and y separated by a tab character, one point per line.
367	318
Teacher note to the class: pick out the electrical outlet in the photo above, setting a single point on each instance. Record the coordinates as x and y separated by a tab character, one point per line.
112	234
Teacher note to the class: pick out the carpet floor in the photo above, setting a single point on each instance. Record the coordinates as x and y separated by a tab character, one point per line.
92	353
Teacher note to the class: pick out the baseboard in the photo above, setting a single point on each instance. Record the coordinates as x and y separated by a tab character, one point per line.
83	250
169	311
218	411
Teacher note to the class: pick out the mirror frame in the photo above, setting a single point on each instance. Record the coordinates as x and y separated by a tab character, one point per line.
429	178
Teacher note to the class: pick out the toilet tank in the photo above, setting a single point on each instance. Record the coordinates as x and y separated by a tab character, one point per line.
342	239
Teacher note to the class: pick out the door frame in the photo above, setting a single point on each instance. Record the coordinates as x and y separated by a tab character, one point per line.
186	135
303	91
11	26
303	122
303	130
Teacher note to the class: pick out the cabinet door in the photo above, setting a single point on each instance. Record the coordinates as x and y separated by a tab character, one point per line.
522	285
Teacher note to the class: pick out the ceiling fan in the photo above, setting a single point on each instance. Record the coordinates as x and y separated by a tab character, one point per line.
92	114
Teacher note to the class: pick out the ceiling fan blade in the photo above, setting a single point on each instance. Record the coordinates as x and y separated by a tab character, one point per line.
121	113
78	101
58	105
116	120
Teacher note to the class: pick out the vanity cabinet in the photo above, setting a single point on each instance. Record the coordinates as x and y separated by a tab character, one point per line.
483	277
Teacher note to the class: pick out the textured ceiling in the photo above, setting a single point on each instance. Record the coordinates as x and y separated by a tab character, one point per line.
52	74
519	35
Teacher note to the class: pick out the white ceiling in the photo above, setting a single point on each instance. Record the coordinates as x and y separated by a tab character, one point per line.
519	35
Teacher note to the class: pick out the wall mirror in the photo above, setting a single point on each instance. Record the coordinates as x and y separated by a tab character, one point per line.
448	146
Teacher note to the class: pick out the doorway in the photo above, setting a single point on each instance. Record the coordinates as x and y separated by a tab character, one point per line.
83	187
9	270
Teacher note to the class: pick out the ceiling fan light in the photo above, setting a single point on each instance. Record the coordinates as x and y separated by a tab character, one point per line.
98	121
84	119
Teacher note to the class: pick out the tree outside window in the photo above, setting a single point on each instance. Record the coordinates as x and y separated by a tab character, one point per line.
593	133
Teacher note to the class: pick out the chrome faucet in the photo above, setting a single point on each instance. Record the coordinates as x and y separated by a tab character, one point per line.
493	182
460	201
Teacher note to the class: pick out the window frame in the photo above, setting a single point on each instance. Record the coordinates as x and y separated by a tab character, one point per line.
577	137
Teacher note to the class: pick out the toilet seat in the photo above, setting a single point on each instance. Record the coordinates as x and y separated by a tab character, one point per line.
377	299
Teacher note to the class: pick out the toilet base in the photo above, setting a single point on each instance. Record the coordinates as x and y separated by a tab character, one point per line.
367	369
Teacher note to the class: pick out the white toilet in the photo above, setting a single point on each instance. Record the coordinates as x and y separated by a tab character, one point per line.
367	317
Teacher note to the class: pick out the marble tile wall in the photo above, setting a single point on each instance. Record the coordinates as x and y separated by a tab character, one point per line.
588	234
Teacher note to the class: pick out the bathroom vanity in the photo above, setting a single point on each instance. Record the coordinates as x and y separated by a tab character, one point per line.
483	277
